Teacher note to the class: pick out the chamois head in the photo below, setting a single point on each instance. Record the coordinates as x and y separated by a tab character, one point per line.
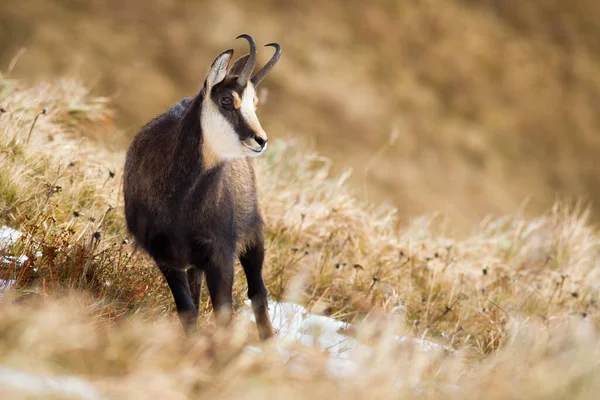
229	123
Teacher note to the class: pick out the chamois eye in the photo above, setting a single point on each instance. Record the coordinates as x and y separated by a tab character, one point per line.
226	101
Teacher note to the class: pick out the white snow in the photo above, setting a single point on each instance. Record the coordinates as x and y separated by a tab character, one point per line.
8	236
5	285
43	386
293	323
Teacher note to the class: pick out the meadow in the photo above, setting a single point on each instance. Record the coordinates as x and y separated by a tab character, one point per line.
513	302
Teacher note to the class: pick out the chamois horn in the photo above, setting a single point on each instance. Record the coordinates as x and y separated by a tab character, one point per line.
268	66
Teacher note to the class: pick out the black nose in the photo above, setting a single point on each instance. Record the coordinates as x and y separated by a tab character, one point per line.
261	142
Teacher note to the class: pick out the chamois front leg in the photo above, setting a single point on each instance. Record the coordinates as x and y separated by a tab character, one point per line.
252	261
178	283
219	279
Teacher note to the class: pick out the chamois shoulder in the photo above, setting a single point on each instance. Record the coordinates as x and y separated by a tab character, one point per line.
167	119
156	136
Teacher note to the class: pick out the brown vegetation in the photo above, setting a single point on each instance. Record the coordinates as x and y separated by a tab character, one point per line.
516	300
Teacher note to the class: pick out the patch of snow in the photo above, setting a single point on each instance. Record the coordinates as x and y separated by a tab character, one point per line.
5	285
44	386
8	237
293	323
424	344
17	260
286	318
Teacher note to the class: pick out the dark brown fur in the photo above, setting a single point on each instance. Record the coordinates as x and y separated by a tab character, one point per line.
193	215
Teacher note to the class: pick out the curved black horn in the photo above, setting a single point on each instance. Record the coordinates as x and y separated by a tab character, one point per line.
268	66
250	64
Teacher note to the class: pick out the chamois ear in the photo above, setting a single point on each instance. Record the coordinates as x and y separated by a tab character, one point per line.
218	69
238	66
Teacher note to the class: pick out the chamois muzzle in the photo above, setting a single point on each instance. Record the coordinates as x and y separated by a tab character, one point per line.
256	143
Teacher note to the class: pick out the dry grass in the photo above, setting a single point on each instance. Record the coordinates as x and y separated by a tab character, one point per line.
516	299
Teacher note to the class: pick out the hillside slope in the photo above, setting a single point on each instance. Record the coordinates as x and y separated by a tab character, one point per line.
517	295
490	101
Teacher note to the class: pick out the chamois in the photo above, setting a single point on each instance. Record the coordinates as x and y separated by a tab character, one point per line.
190	191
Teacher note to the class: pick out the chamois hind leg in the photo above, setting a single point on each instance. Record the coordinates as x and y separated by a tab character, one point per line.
161	248
186	309
219	280
252	261
194	276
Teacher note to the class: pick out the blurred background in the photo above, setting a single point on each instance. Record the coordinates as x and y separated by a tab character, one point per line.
460	106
